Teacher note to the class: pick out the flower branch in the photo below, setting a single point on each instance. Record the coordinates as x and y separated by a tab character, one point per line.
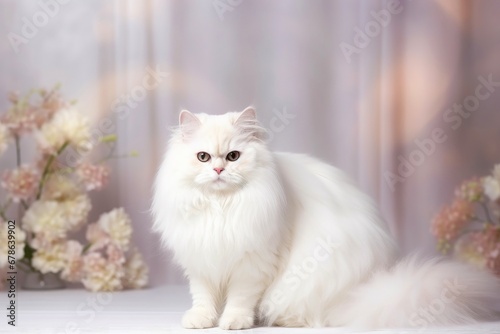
475	237
53	200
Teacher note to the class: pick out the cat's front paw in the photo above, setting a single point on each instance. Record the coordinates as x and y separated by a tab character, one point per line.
236	320
197	318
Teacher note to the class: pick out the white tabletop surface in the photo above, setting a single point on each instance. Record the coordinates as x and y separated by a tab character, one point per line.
154	310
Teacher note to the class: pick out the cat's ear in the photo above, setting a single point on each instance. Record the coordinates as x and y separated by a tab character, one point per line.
249	125
247	115
188	123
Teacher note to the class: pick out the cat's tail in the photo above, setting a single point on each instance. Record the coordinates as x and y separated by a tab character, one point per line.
420	294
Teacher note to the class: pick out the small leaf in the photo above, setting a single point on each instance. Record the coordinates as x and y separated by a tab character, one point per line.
109	138
28	252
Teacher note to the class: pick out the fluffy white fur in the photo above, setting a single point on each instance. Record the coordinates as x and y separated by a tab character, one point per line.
287	240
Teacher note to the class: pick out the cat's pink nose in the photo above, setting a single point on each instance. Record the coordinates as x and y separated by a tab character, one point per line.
218	170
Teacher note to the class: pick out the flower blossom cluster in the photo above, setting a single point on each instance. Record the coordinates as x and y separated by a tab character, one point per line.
67	127
105	266
53	200
470	226
486	243
94	177
21	183
26	115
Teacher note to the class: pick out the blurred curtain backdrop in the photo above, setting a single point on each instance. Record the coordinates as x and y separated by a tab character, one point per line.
363	85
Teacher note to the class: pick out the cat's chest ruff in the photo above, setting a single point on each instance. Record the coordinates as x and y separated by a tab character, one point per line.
203	209
211	236
213	215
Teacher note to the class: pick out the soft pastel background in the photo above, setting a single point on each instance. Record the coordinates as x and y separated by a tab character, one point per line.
285	57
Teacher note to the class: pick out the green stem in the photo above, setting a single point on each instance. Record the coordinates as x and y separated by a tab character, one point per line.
46	170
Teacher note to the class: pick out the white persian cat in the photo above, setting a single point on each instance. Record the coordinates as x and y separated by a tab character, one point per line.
285	239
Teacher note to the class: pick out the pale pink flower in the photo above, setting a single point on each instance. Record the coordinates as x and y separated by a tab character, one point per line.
117	225
32	111
73	270
136	271
115	255
21	183
94	177
449	222
51	103
20	120
487	243
97	237
100	274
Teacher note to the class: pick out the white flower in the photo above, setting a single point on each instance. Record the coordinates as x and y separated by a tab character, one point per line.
4	137
117	225
100	274
54	219
51	259
491	184
67	126
47	218
60	187
20	238
77	211
496	172
136	271
491	188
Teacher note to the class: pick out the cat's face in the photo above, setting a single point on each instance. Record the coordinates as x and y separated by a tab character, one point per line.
219	153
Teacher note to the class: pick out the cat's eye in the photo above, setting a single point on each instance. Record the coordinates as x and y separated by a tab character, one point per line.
233	156
203	156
